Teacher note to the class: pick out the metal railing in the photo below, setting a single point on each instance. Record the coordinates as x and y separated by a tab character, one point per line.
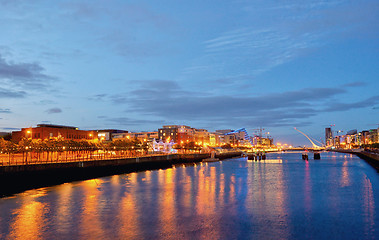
27	158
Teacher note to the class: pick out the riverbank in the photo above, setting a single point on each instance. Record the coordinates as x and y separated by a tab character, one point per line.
370	157
19	178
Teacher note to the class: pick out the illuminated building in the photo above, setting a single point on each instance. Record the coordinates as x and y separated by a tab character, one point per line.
215	139
176	133
47	131
201	136
329	137
109	134
141	136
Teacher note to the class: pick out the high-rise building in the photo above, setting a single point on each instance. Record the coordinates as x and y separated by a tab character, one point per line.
329	137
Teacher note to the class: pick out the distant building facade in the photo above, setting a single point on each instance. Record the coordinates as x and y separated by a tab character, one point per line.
176	133
48	131
329	137
141	136
109	134
353	138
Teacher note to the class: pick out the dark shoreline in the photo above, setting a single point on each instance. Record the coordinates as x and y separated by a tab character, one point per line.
371	158
16	179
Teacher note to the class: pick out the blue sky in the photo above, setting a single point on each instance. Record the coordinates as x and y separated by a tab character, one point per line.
137	65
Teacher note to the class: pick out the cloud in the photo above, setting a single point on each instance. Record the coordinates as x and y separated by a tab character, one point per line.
129	42
167	100
11	128
338	107
26	75
98	97
355	84
5	93
125	121
53	110
5	110
273	34
181	105
45	102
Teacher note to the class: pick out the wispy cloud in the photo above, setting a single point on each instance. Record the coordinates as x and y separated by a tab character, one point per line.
160	101
24	75
127	122
273	34
10	129
5	93
53	110
355	84
5	110
370	102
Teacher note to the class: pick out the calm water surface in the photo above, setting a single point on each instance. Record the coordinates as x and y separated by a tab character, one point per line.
283	197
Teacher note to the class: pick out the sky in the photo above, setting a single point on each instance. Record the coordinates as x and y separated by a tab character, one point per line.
138	65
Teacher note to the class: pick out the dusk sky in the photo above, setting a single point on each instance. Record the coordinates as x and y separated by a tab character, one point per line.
138	65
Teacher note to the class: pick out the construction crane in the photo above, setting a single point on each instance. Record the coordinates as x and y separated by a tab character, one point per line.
260	133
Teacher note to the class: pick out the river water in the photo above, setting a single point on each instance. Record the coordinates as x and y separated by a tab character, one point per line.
282	197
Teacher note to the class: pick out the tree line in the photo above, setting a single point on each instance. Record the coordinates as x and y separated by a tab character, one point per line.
62	145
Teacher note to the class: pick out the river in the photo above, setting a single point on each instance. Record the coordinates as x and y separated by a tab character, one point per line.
282	197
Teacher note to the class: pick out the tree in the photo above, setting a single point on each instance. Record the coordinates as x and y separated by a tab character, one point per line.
226	146
7	137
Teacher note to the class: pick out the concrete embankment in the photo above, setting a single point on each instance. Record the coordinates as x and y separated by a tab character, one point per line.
16	179
370	157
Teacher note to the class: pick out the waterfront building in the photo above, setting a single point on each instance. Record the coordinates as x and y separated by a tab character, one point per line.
201	137
176	133
329	137
48	131
224	131
373	136
224	139
263	141
109	134
236	138
354	139
215	139
141	136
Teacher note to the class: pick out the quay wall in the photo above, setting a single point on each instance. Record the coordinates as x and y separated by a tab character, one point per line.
371	158
14	179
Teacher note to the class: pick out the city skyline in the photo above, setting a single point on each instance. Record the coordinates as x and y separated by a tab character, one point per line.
140	65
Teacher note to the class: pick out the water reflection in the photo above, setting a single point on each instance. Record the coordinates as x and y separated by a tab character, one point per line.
29	220
345	178
307	192
64	214
90	215
128	217
368	207
283	197
167	200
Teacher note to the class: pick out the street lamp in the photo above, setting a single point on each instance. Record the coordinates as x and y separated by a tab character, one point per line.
30	132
